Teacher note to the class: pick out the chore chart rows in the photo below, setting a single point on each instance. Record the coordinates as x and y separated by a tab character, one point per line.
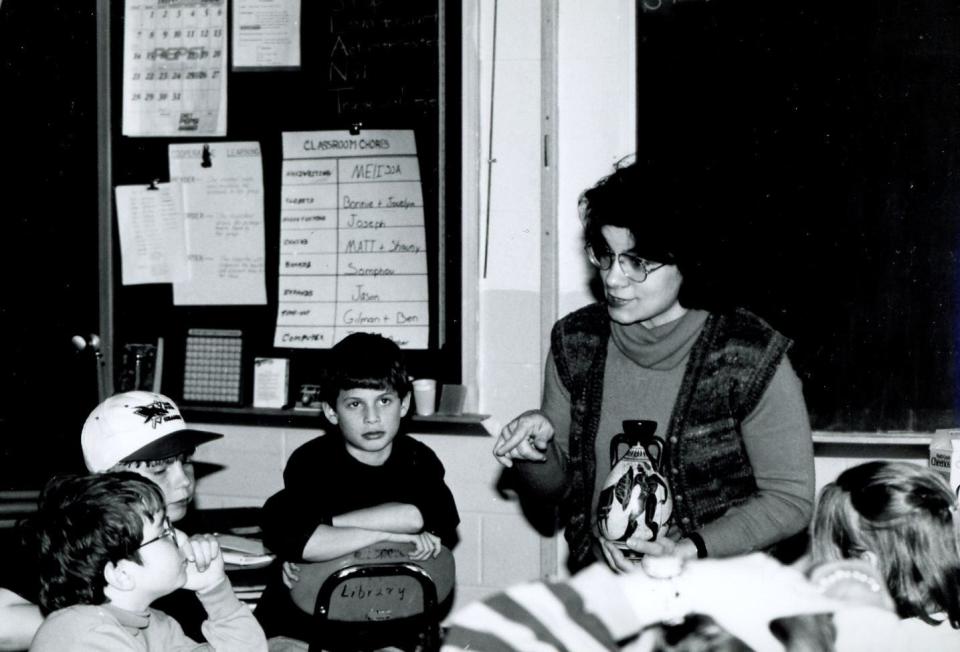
352	241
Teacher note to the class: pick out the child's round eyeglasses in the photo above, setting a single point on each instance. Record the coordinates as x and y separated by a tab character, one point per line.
633	267
166	532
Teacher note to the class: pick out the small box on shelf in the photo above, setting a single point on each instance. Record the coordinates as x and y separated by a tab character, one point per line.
270	382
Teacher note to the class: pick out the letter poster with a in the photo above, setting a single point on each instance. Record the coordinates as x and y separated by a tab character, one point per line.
352	242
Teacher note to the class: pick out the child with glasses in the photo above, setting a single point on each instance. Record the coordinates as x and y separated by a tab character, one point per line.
107	551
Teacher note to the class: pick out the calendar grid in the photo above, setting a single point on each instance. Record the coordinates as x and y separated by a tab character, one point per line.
174	78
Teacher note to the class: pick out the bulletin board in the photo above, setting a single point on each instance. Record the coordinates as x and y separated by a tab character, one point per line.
366	65
823	142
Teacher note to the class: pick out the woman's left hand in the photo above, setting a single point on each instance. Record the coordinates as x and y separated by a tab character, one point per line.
616	560
663	547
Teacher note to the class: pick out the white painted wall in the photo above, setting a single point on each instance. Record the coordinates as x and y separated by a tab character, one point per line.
595	127
597	120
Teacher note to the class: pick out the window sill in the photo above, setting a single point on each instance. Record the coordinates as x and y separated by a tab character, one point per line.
872	438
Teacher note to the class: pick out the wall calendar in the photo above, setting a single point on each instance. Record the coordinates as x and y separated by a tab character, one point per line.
174	68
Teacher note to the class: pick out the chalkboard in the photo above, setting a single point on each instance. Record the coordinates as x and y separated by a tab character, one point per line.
822	140
371	64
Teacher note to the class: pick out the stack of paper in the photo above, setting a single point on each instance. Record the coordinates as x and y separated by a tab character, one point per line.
241	551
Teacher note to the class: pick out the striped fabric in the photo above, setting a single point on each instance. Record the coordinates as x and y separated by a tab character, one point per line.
573	616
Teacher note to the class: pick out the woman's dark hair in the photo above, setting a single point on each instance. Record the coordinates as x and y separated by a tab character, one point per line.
365	361
623	199
906	516
83	523
668	211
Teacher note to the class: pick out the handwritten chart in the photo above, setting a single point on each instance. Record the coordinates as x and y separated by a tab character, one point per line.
352	242
174	68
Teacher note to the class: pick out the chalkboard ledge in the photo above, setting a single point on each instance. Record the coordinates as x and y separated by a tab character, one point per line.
872	438
449	424
437	424
250	416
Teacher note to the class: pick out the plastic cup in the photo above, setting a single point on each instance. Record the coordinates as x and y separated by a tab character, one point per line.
425	396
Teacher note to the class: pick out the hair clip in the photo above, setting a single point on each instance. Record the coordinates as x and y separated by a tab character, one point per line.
824	582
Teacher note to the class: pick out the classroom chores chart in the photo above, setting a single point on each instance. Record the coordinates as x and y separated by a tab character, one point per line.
352	241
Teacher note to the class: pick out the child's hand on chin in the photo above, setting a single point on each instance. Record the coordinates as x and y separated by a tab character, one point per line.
204	562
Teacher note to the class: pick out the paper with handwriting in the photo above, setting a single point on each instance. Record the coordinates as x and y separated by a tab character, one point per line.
152	241
223	210
353	252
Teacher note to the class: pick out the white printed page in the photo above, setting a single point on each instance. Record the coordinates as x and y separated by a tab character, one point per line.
266	34
152	239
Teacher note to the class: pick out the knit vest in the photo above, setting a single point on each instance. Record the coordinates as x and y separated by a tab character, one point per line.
705	461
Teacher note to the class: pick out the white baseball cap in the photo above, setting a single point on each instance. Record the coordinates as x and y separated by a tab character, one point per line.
136	426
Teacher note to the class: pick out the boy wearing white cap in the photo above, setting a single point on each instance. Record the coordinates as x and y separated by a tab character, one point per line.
144	432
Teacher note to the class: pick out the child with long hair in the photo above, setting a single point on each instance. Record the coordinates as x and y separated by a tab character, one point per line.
902	518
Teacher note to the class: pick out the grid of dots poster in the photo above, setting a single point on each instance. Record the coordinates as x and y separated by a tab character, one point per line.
212	365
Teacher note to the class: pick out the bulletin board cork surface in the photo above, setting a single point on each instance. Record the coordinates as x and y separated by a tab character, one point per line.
372	64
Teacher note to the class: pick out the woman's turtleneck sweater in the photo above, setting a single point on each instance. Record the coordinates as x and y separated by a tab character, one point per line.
642	376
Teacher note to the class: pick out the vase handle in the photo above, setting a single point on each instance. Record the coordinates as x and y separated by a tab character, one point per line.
654	446
614	445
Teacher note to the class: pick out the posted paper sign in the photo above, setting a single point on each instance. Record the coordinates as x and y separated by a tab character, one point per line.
152	242
174	68
353	254
266	34
270	380
223	205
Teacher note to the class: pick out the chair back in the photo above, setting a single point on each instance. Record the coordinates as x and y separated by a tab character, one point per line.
374	598
441	570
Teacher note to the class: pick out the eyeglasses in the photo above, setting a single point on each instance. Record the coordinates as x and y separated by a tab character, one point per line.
166	532
633	267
